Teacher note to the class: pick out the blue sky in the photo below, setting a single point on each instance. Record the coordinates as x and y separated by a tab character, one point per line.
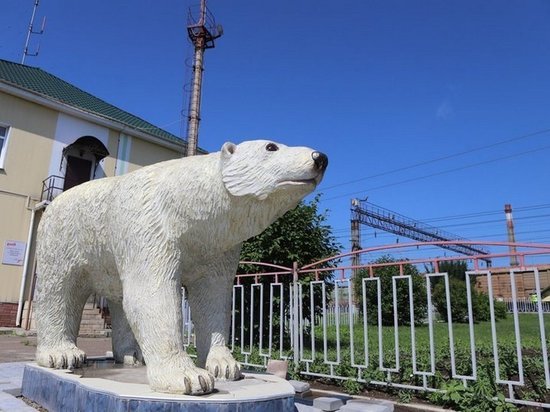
377	85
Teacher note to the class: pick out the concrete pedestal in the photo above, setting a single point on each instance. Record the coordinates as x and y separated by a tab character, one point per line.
114	388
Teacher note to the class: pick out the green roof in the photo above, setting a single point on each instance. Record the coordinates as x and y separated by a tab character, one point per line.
36	80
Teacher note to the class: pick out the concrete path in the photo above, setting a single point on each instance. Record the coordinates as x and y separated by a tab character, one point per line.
17	347
15	350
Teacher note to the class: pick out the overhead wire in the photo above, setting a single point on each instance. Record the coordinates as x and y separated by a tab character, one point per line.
438	173
426	162
517	210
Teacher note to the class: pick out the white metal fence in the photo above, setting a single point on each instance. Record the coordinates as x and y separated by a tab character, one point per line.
353	312
330	330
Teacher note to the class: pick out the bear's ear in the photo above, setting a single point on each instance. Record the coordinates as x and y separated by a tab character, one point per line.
238	175
228	149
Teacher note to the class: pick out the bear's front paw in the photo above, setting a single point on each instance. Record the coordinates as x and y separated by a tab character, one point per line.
186	380
62	357
221	363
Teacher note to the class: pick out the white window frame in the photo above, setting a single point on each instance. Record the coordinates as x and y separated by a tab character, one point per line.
4	147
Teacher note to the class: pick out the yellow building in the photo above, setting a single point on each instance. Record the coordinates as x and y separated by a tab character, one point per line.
54	136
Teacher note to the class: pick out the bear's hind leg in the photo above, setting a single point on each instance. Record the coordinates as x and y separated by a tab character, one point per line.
125	346
59	307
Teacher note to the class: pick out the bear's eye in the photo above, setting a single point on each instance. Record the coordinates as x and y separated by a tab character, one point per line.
271	147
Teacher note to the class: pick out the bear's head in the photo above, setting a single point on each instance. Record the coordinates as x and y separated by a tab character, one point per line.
262	168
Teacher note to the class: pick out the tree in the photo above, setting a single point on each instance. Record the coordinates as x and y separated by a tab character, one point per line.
386	274
458	296
300	236
456	269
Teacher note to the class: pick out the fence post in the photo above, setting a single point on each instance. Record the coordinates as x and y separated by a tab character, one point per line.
295	316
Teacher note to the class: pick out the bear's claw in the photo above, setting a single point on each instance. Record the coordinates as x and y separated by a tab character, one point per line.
187	380
69	357
222	365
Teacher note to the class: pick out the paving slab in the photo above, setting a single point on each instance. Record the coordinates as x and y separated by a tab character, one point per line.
360	405
329	404
277	367
300	386
387	404
11	376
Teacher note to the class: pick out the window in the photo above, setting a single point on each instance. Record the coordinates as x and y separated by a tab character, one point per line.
3	143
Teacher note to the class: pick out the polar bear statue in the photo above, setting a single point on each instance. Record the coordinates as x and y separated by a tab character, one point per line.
136	238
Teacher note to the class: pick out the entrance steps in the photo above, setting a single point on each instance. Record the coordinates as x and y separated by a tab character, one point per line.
95	322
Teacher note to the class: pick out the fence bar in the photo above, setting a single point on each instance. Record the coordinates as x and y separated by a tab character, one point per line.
541	326
296	321
295	314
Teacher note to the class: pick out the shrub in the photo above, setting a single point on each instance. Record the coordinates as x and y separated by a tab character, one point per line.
459	303
386	274
501	311
480	306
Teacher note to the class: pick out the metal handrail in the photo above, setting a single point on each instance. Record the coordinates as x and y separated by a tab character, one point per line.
51	187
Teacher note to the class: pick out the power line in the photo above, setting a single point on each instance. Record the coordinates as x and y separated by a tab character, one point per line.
438	173
487	213
475	214
426	162
478	223
476	238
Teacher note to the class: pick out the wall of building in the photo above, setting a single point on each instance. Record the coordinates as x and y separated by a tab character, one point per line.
524	282
144	153
30	138
32	129
37	137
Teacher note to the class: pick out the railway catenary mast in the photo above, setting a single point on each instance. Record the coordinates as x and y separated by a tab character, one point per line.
377	217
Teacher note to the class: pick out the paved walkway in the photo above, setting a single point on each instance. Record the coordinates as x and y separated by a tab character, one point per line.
15	350
11	375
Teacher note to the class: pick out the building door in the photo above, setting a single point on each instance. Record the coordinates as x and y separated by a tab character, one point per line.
78	171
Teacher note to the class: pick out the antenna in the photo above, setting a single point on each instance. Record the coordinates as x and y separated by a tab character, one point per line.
31	31
202	32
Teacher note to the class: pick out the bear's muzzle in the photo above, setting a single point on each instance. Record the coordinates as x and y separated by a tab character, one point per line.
320	160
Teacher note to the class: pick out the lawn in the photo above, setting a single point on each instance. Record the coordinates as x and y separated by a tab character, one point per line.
528	328
365	372
367	368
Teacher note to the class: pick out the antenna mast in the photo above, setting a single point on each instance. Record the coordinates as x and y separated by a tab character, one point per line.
202	32
31	31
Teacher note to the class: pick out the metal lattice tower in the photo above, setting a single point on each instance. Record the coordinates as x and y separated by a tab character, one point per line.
202	32
377	217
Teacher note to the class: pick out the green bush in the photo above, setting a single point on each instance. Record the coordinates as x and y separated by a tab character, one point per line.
480	307
459	303
501	311
386	274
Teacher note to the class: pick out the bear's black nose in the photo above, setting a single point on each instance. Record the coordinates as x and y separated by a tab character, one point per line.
320	160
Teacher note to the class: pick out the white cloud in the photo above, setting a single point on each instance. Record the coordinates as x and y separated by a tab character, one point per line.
445	110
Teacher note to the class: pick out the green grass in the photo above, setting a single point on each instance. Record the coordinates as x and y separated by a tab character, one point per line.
506	342
528	326
534	389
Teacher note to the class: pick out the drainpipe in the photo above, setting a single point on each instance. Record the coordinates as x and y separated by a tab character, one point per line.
39	206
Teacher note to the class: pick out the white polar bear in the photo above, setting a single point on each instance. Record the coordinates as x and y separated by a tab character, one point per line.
137	238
